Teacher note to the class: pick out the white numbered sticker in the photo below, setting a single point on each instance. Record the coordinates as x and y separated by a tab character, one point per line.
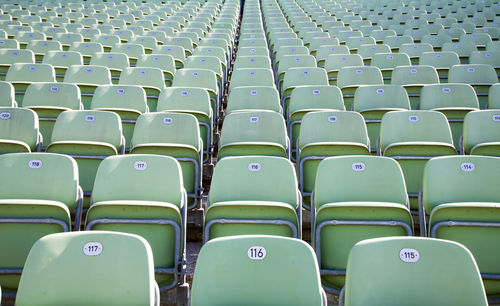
252	73
496	118
413	118
88	70
254	119
184	93
32	68
140	165
467	167
409	255
89	118
488	55
35	164
254	92
195	74
358	167
142	72
120	91
380	91
458	46
316	91
54	88
413	70
297	59
471	69
254	167
5	116
390	57
446	90
305	72
359	71
257	253
168	120
92	249
332	119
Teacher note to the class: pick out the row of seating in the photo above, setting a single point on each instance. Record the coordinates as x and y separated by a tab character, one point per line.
355	198
256	207
272	274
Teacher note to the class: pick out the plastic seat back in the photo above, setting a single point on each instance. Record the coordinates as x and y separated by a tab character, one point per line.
481	133
436	268
253	133
100	249
19	130
236	251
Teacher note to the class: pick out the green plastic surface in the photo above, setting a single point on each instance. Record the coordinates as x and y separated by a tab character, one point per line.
445	273
243	131
356	188
122	274
18	130
225	275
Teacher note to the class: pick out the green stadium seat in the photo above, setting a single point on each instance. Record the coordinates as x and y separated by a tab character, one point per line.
133	51
81	134
441	61
156	212
463	49
127	101
272	277
87	78
419	272
300	76
413	78
163	61
7	94
412	138
249	133
463	207
479	76
373	101
322	134
350	78
48	100
253	98
66	39
194	101
494	97
243	198
149	78
386	62
41	205
61	60
176	135
116	62
21	75
257	61
481	133
86	49
454	101
355	198
310	98
110	262
19	130
395	42
486	57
